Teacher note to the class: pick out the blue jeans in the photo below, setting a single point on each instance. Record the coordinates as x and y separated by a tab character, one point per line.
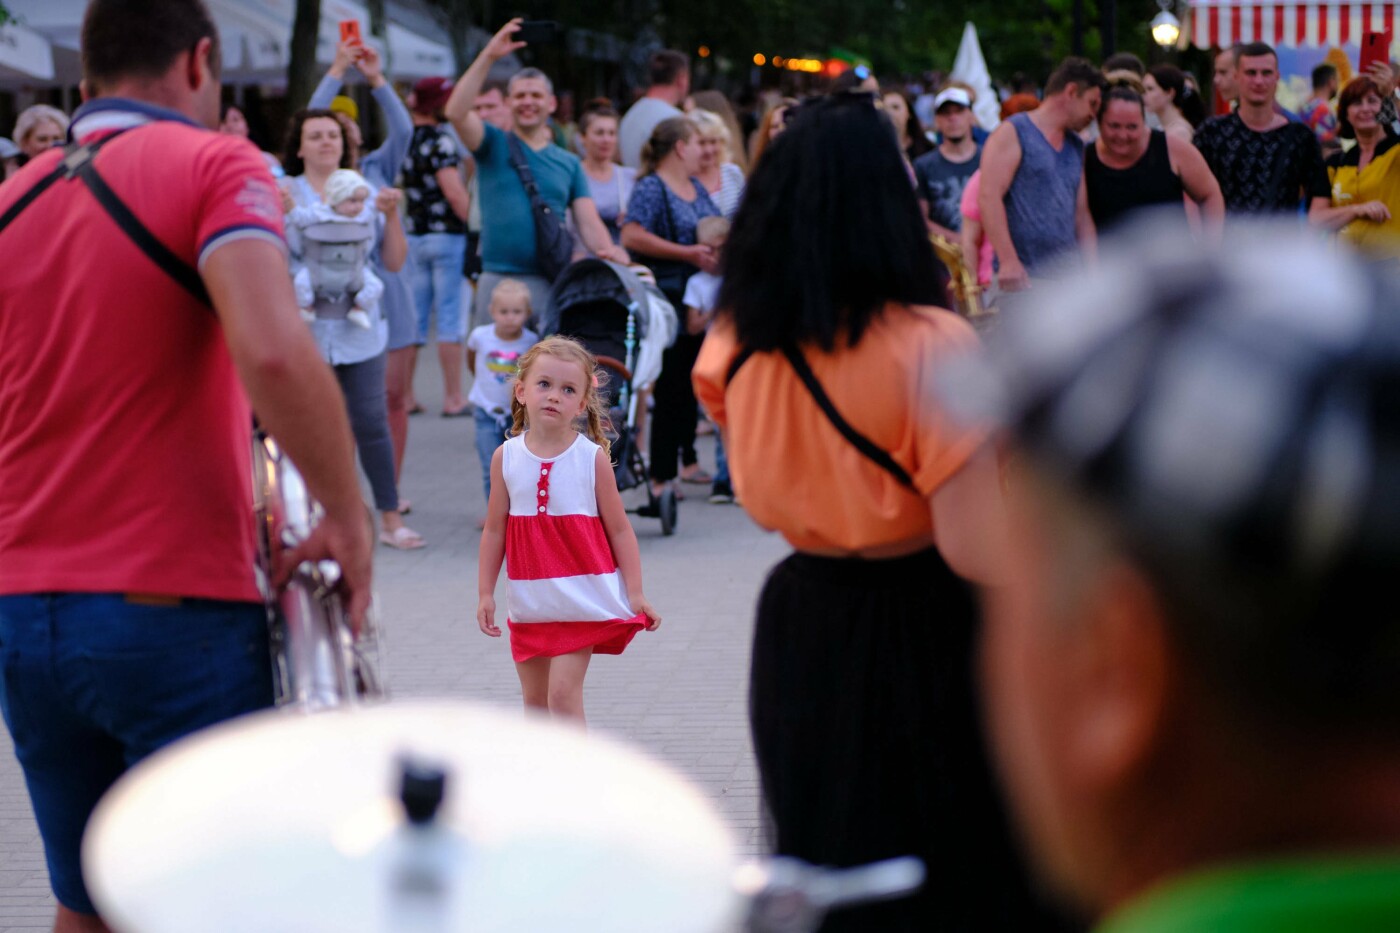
490	434
90	683
436	263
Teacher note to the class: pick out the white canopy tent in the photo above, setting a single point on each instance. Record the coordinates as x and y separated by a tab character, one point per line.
25	55
970	68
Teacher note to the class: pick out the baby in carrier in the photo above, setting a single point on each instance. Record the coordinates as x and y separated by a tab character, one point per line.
331	242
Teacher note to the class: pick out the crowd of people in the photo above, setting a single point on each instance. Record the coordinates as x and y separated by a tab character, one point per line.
1007	207
1161	500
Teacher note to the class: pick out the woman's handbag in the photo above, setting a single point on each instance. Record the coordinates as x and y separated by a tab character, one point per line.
554	246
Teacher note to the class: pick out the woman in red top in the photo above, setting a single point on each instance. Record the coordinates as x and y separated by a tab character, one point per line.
820	369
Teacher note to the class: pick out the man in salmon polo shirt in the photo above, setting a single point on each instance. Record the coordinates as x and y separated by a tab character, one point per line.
135	331
1190	678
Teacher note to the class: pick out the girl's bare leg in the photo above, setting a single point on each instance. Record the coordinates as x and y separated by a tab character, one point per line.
534	682
566	684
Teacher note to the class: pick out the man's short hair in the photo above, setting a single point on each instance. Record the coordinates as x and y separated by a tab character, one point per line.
142	39
1077	71
1125	61
497	85
527	74
1254	50
666	66
1323	75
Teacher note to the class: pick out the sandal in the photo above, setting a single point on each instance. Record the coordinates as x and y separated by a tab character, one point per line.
402	539
697	477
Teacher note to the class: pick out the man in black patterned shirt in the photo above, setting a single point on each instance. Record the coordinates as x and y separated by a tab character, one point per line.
1264	162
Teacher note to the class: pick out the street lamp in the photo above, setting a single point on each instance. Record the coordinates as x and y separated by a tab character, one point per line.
1166	28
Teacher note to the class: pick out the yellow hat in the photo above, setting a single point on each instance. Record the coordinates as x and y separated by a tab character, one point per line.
347	106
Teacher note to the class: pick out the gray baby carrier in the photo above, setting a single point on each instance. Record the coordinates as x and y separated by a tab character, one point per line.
335	254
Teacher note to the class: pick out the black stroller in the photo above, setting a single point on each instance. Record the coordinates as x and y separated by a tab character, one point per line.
626	322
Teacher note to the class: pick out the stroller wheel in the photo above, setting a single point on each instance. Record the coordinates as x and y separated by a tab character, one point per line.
666	506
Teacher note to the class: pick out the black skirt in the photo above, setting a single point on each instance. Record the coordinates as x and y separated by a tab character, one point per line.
867	730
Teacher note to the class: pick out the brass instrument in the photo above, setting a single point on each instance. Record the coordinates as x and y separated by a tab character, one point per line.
963	286
317	659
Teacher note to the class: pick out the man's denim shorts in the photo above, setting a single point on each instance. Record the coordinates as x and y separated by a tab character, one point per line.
91	683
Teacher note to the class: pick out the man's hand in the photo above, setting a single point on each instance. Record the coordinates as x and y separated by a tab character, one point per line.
1011	276
501	43
387	200
370	65
348	542
615	254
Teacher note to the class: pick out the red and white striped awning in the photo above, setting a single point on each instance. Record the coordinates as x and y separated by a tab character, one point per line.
1220	23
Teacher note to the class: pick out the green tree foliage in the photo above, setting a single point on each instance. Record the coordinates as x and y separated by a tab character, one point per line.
896	36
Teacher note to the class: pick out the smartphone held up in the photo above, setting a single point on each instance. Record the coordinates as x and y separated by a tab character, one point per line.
537	31
350	32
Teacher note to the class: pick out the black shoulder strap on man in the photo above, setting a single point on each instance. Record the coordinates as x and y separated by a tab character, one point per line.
77	162
859	441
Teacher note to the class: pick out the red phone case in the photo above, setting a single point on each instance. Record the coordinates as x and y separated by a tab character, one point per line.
350	31
1375	47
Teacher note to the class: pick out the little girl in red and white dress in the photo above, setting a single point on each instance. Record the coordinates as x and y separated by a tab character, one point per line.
573	570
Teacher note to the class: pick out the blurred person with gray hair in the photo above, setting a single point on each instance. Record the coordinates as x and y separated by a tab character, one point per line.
38	129
1191	675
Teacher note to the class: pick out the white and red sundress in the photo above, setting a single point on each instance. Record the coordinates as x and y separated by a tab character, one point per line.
563	589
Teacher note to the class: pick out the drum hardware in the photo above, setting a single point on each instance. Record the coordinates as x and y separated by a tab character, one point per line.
494	821
318	660
787	895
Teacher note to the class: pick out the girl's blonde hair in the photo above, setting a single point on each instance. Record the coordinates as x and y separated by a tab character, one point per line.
595	406
512	286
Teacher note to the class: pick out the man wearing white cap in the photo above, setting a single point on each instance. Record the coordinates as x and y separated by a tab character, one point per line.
943	173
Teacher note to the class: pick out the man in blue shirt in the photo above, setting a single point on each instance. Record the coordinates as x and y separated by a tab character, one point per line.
507	223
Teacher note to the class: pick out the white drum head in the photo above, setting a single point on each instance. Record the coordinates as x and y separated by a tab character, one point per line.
288	822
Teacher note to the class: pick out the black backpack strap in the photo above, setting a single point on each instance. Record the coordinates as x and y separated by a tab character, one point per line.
78	162
858	440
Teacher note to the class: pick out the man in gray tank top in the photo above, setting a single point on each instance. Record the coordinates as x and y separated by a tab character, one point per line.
1033	203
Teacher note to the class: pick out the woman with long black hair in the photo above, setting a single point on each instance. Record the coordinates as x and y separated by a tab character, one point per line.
820	370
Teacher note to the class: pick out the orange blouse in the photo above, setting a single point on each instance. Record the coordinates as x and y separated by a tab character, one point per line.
793	470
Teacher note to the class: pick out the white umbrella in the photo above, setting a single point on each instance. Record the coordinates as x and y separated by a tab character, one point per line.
971	69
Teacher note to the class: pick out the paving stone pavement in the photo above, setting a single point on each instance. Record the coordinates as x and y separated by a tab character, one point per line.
679	693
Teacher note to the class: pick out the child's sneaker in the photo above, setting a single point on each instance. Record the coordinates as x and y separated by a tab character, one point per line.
359	318
721	493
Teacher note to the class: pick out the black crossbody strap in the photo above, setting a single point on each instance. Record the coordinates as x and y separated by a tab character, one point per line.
179	270
858	440
522	168
78	161
74	157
